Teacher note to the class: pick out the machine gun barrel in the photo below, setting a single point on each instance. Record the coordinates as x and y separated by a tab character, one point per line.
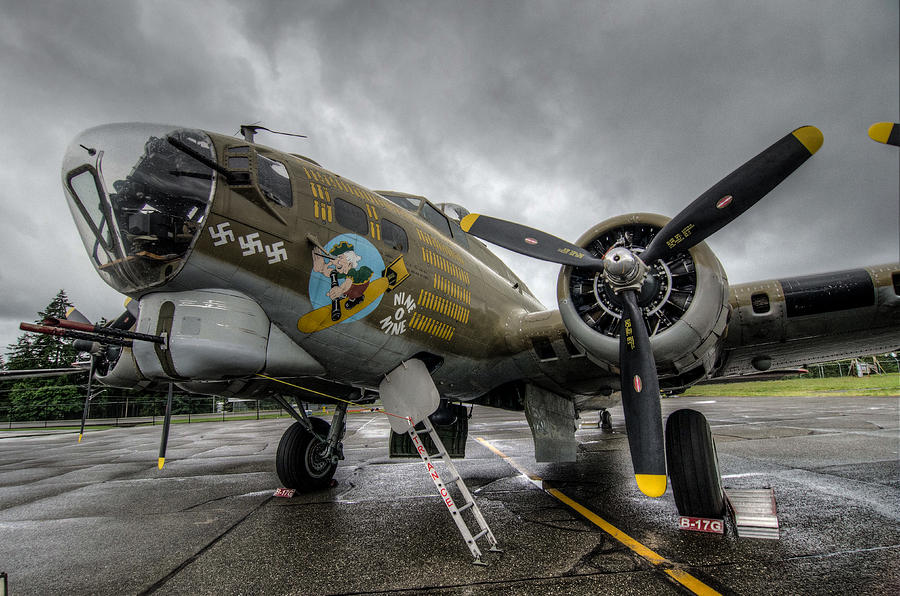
104	331
73	334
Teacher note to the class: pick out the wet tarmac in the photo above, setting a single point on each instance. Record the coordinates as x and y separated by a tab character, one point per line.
98	517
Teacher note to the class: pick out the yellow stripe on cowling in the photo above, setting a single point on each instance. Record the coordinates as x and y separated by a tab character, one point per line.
161	462
652	485
881	131
467	221
811	137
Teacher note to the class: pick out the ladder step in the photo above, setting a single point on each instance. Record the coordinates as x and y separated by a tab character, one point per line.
466	506
480	534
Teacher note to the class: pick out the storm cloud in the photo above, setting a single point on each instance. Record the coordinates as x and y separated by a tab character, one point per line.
554	114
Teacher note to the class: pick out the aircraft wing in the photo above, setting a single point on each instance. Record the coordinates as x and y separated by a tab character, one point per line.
791	322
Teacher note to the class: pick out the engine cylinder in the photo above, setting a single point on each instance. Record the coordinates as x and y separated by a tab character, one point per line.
684	298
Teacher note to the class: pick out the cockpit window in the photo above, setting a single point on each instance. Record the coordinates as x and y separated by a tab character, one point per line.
453	211
435	218
274	181
408	203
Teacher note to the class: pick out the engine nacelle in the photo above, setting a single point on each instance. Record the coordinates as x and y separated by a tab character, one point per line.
120	370
684	300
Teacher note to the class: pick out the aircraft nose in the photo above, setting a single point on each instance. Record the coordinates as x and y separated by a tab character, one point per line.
139	194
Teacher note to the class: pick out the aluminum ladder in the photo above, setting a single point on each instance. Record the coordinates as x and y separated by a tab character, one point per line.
442	485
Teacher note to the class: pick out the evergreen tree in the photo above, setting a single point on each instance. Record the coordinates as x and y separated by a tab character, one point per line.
52	351
41	398
21	355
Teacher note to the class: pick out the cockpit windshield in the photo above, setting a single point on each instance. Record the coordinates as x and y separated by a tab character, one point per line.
139	201
409	203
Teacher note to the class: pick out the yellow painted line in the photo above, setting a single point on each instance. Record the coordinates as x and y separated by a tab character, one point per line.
682	577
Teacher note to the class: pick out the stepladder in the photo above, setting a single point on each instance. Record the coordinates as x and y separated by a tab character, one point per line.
443	480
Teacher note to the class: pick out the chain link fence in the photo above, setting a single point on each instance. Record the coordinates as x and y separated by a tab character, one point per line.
132	411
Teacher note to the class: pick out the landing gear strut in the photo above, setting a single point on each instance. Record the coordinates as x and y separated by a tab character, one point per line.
693	466
605	421
309	451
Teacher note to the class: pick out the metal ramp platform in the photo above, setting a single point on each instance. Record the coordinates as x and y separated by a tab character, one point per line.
452	477
754	512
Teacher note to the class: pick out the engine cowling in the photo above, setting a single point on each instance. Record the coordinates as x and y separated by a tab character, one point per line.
684	300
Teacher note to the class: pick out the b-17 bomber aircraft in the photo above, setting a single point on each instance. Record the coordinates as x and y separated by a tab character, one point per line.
258	273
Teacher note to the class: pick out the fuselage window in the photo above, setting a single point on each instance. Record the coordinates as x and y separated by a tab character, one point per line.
760	303
394	236
350	216
437	219
274	181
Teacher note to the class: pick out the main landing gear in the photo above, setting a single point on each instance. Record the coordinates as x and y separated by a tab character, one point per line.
693	466
309	451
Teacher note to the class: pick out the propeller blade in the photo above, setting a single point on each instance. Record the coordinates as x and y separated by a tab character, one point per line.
133	307
735	193
640	400
529	241
73	314
165	431
885	132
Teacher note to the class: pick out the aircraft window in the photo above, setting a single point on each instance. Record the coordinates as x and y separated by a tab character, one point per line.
394	236
434	217
238	163
458	235
245	150
760	303
86	191
85	187
453	211
350	216
274	181
895	277
408	203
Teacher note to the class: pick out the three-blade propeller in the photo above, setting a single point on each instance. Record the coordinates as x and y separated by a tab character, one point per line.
625	271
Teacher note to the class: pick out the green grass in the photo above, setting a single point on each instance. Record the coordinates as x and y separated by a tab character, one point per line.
872	385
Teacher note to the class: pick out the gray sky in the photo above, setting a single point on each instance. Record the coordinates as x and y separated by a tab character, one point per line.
555	114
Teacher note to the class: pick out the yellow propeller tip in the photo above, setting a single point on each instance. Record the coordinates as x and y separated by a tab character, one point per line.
162	462
79	437
811	137
881	131
652	485
467	221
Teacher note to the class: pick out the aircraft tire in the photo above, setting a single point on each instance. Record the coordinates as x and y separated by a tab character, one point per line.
693	465
299	460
